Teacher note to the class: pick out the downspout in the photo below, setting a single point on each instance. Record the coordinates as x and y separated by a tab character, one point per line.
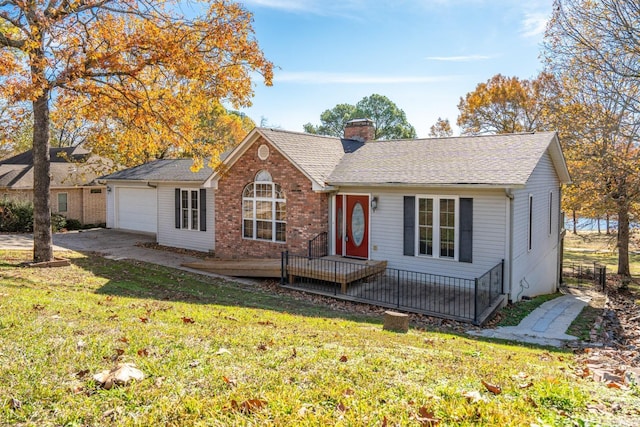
509	241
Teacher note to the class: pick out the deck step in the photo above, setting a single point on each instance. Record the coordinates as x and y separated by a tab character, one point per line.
247	267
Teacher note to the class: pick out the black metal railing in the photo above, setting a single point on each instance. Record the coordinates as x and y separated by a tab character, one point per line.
487	288
373	283
585	274
319	246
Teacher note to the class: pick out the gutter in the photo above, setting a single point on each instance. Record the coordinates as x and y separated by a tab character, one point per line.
509	241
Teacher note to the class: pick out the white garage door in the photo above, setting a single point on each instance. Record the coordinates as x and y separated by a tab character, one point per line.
137	209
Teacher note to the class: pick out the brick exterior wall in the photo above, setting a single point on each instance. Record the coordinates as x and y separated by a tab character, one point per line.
86	207
307	211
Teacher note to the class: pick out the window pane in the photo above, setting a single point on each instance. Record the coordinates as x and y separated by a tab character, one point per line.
248	191
263	210
194	219
425	217
185	199
281	211
263	190
264	230
248	229
185	218
263	176
279	194
62	202
281	232
247	209
194	199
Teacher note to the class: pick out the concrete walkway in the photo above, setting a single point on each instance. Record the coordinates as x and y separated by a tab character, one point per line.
546	325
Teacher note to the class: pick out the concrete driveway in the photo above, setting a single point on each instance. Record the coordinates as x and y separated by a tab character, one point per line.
108	243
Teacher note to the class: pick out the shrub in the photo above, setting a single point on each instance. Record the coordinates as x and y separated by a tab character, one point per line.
16	216
58	222
73	224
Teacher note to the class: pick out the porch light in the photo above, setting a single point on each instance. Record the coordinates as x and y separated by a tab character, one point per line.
374	203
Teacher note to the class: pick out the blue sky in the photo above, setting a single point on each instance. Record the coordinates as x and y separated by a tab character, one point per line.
422	54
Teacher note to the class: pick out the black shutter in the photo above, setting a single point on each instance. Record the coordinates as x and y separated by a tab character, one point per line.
177	205
409	225
203	209
466	230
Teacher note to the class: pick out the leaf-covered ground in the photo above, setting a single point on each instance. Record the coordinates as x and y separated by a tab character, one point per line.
220	353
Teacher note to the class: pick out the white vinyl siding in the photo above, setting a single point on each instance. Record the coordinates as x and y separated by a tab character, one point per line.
169	235
489	218
535	252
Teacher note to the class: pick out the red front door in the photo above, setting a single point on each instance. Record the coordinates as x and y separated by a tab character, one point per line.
356	220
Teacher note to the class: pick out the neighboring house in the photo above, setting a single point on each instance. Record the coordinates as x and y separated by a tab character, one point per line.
446	206
164	198
74	192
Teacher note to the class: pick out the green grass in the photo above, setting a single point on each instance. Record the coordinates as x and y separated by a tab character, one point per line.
219	353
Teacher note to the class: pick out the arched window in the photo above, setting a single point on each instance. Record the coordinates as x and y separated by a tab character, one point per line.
264	210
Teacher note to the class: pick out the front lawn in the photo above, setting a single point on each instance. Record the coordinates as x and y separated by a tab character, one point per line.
219	353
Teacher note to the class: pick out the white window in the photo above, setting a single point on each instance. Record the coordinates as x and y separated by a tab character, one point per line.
550	212
530	224
189	209
438	226
62	202
264	210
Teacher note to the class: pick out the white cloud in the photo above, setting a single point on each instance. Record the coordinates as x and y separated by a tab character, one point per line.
461	58
311	77
534	24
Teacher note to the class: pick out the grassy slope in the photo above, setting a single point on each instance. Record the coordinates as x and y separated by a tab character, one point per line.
205	344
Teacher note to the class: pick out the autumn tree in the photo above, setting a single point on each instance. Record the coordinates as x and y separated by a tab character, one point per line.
594	50
441	129
507	105
138	71
389	120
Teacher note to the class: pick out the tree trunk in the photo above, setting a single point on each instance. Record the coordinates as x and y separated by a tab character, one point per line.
42	236
575	221
623	240
608	225
599	230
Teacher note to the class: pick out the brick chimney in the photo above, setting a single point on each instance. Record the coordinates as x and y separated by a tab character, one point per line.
362	130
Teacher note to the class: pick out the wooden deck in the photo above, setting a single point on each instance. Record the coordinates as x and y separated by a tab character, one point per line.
330	270
249	267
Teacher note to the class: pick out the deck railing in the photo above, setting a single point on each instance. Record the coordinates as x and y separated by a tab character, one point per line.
318	246
432	294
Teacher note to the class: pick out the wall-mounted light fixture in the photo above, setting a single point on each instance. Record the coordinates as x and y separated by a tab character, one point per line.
108	189
374	203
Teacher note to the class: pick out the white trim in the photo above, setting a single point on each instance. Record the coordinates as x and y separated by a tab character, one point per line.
436	226
550	219
530	223
190	209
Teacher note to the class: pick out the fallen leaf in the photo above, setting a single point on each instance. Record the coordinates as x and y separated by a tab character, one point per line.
340	407
251	405
495	389
82	373
348	392
473	396
188	320
119	351
38	307
525	385
343	358
265	323
384	421
426	417
262	347
14	404
144	319
113	317
124	340
230	382
143	352
614	385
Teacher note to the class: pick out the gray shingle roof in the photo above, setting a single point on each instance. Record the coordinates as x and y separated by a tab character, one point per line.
69	167
315	155
169	170
478	160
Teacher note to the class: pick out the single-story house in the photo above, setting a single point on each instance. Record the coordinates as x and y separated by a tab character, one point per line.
166	199
74	192
446	206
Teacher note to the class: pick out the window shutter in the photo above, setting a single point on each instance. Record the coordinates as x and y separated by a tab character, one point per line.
466	230
409	225
203	209
177	206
